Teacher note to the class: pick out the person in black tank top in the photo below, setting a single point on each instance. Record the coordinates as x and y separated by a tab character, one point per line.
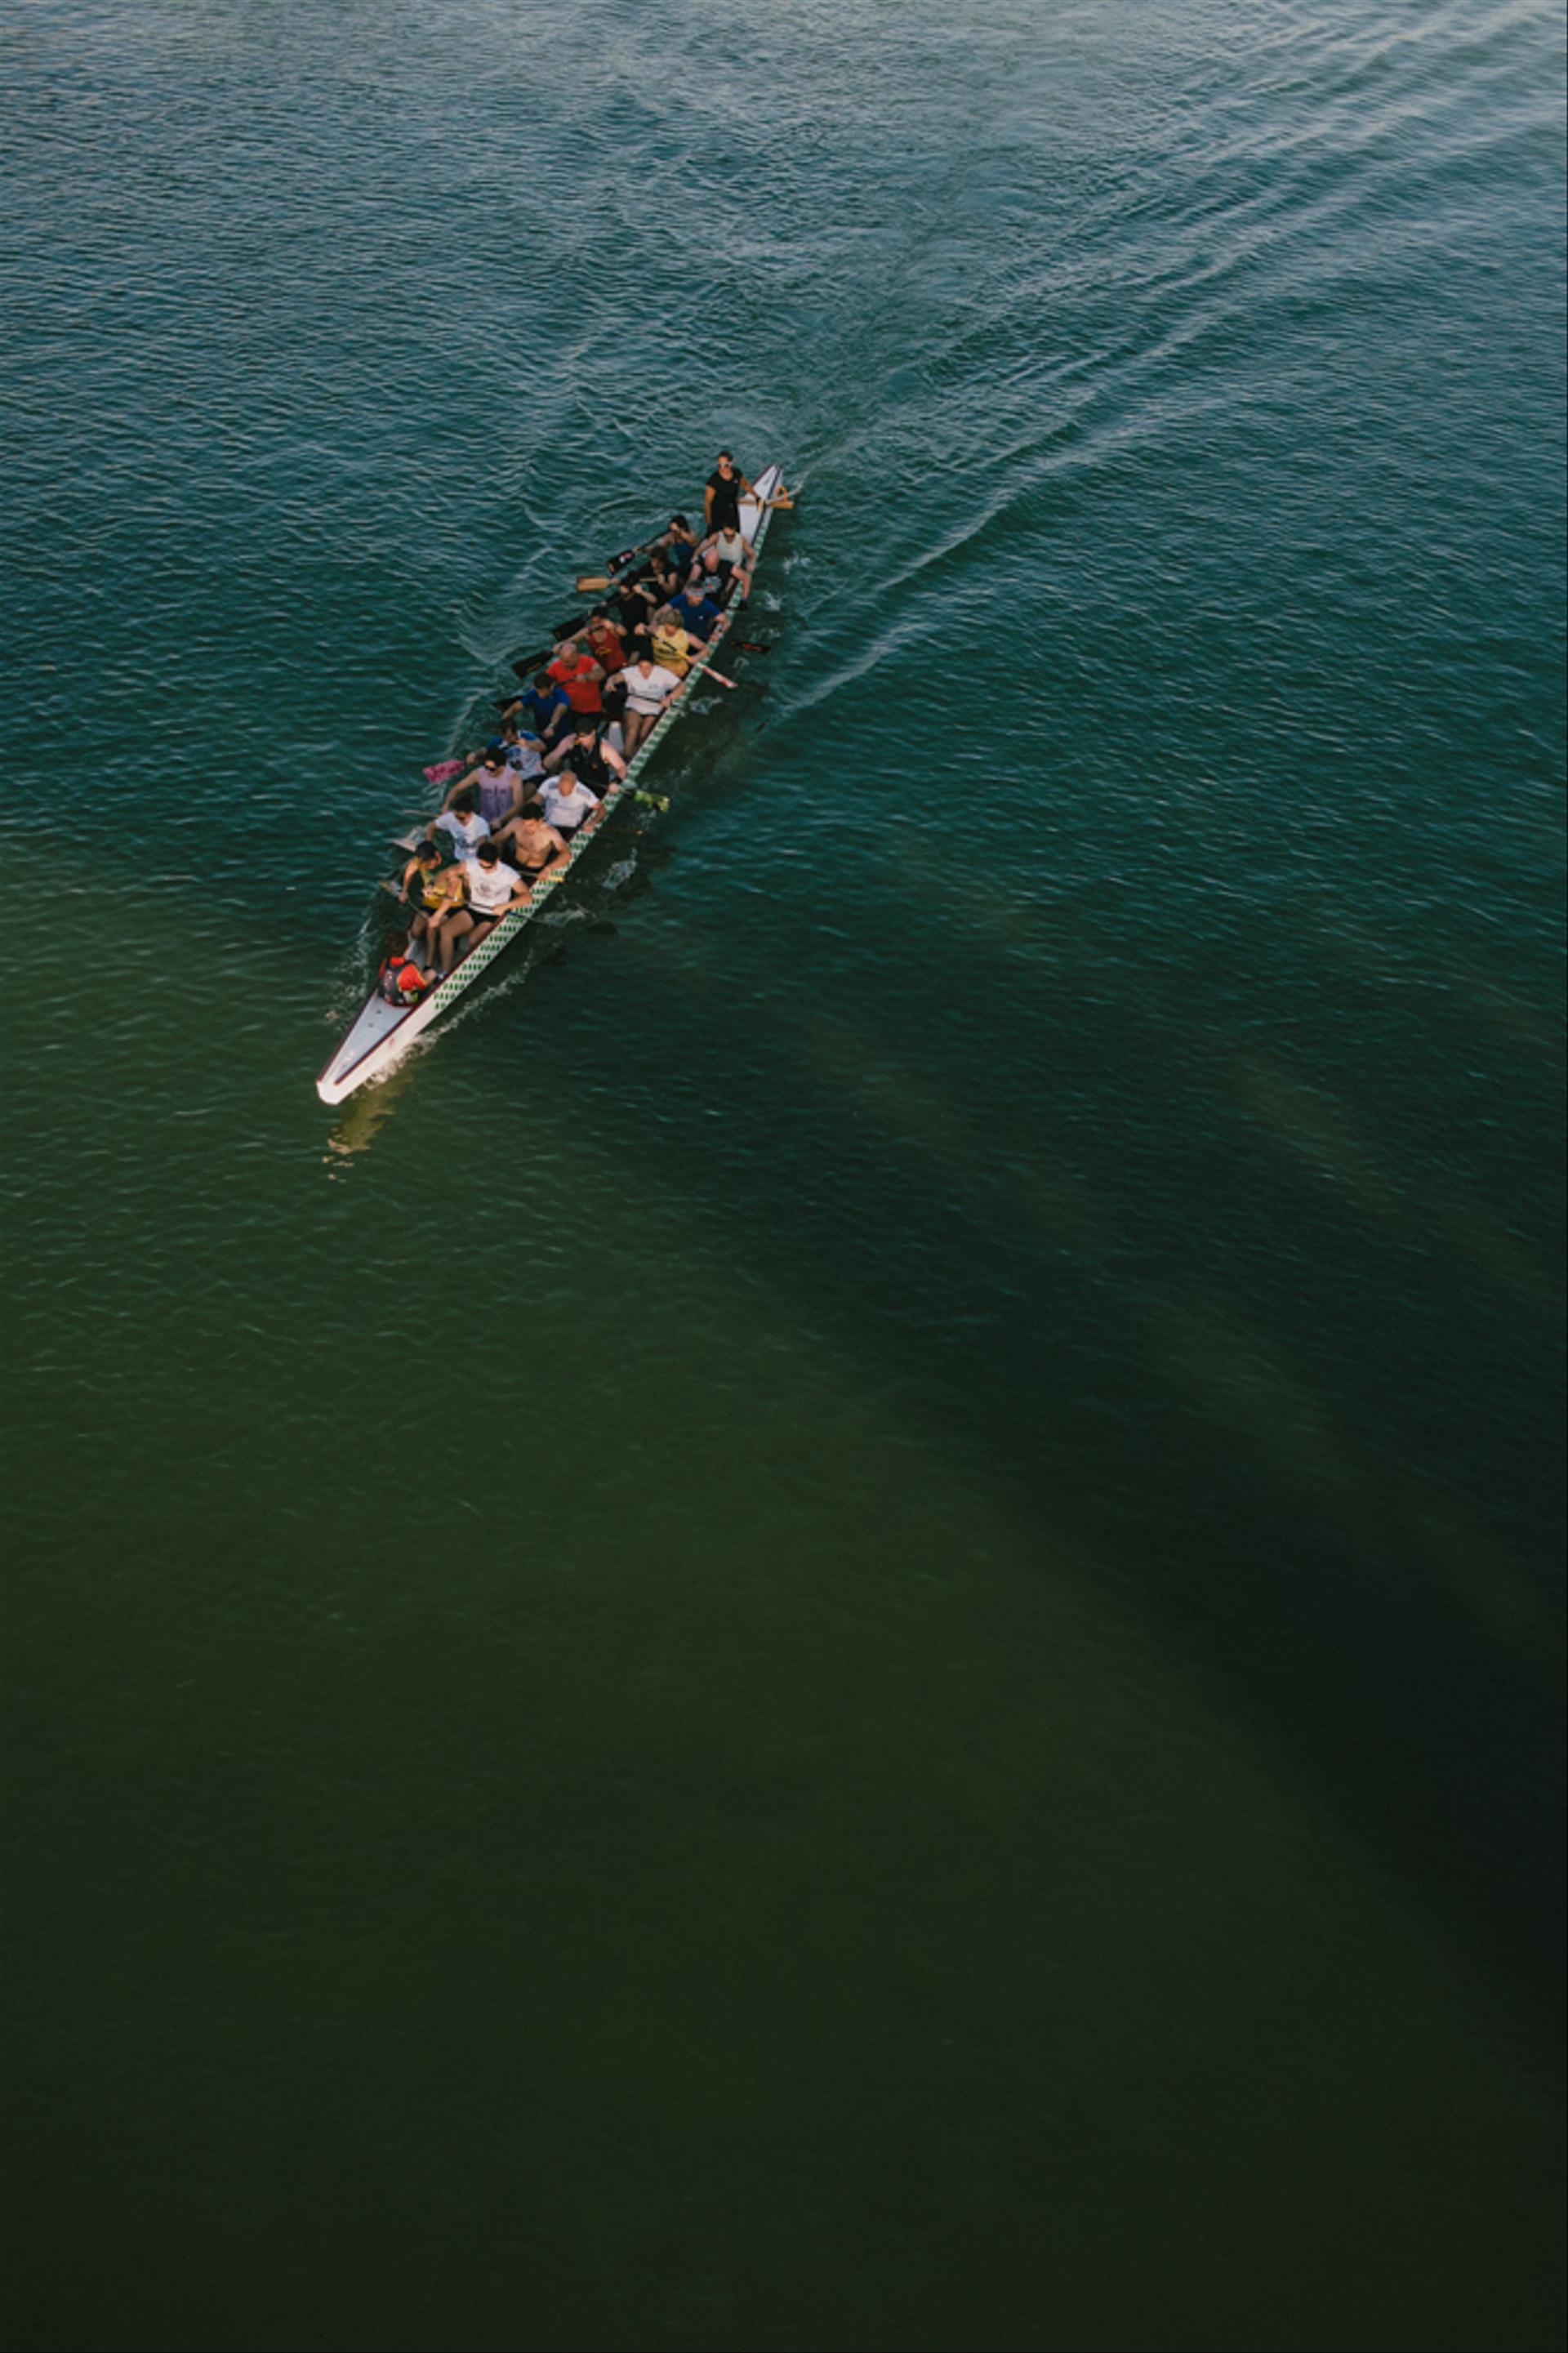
591	760
722	498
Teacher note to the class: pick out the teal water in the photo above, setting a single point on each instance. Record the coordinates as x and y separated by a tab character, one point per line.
846	1632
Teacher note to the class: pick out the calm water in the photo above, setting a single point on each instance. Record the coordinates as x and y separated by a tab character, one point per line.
844	1634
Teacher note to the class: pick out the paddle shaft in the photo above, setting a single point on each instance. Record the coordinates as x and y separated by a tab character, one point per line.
525	665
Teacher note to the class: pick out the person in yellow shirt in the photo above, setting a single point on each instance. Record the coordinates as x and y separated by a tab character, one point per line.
431	888
672	647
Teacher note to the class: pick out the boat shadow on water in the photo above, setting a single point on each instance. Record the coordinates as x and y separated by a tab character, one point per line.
1329	1592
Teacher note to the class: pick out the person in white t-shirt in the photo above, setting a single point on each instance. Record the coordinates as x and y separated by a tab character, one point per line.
492	887
463	826
650	689
569	805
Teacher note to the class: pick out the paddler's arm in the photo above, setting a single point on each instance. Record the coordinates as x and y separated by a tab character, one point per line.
461	786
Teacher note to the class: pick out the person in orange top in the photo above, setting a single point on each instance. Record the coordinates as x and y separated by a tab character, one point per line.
400	980
577	675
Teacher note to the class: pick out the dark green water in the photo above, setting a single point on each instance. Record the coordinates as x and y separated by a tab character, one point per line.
846	1632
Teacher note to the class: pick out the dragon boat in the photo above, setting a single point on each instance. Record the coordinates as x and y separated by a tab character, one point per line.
380	1033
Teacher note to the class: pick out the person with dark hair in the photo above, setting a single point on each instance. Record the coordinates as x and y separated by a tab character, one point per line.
547	705
492	887
680	546
430	889
730	555
603	643
493	783
523	753
723	494
461	823
636	604
533	845
592	761
400	980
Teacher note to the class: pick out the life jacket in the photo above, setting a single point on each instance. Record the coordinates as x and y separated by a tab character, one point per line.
390	982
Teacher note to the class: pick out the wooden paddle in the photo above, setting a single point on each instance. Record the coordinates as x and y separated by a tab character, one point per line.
526	664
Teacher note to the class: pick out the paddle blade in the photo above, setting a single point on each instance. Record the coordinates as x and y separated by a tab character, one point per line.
590	583
443	772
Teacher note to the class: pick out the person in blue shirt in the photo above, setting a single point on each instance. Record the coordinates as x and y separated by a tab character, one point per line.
549	707
696	612
680	546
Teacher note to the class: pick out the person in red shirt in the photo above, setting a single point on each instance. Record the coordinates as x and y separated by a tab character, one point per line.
577	675
604	644
607	650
